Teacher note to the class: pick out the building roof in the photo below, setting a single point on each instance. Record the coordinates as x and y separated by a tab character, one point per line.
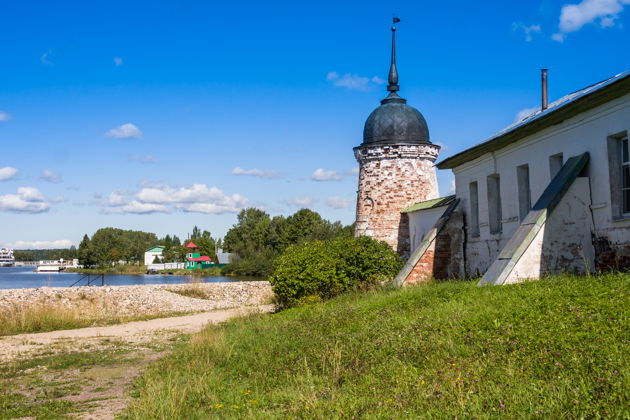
558	111
202	258
191	245
157	248
430	204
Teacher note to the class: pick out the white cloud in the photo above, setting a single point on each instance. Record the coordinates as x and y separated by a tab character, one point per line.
528	30
196	198
7	173
125	131
118	61
452	188
301	201
322	175
255	172
44	59
353	81
136	207
573	17
353	171
338	202
143	158
524	113
332	75
58	244
116	199
48	176
4	116
28	200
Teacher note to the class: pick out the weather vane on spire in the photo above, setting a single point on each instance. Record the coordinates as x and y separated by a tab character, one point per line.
393	72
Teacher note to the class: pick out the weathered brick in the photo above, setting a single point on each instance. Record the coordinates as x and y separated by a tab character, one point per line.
391	178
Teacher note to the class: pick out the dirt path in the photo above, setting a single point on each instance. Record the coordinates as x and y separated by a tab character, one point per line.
15	346
86	373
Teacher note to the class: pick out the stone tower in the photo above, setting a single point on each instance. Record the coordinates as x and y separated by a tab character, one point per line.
395	166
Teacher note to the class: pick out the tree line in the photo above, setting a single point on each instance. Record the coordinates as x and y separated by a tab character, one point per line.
109	246
258	239
45	254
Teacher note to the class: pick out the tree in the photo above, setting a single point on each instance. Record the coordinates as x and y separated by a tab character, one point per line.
86	257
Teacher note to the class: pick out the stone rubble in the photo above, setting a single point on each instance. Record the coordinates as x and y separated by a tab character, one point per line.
148	299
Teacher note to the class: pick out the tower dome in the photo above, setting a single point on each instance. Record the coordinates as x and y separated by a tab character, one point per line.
395	122
396	166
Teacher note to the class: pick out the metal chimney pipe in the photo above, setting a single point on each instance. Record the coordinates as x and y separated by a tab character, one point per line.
545	98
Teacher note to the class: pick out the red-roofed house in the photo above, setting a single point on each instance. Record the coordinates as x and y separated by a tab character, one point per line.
195	259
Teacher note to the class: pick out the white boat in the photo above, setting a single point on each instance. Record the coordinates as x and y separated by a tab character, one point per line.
55	266
6	257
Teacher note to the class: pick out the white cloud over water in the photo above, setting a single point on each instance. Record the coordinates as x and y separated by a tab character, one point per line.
160	198
28	200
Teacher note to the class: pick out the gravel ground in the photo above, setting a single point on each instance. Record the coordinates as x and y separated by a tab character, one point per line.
146	299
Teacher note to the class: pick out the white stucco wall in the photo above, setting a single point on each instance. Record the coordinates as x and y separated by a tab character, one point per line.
150	256
420	222
586	132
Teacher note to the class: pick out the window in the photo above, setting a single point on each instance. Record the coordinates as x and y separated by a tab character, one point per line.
555	164
494	203
524	192
625	177
474	209
619	173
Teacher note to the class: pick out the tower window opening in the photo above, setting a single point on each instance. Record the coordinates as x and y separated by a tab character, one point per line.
494	203
524	191
555	164
474	209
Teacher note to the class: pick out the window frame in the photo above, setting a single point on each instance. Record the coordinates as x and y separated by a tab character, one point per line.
625	182
495	208
474	209
524	191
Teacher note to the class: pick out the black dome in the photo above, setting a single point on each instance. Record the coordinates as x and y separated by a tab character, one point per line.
395	122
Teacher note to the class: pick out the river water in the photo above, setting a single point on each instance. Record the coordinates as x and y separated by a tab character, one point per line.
26	277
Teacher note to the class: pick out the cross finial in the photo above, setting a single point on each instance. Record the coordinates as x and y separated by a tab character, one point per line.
393	72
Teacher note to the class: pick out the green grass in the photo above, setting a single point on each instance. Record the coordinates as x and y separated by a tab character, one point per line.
54	316
26	391
555	348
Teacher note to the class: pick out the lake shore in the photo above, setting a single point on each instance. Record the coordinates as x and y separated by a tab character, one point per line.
141	300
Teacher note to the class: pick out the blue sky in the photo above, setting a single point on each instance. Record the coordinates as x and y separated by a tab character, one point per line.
160	115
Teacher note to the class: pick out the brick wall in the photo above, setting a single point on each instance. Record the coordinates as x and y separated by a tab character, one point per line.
391	178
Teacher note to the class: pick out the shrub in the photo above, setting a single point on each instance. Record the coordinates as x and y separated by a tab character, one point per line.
328	268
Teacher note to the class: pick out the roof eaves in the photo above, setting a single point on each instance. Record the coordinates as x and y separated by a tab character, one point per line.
559	110
429	204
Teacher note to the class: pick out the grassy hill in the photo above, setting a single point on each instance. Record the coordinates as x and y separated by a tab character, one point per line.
556	348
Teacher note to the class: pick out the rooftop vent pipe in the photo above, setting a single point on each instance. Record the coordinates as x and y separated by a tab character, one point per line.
545	99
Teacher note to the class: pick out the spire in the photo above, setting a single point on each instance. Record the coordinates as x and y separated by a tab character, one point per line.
393	72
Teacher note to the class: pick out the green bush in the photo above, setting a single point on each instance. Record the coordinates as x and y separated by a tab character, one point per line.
328	268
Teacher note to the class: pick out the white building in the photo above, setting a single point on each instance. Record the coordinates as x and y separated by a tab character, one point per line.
151	253
548	194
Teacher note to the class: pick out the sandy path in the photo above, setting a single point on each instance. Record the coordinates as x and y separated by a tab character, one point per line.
134	332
